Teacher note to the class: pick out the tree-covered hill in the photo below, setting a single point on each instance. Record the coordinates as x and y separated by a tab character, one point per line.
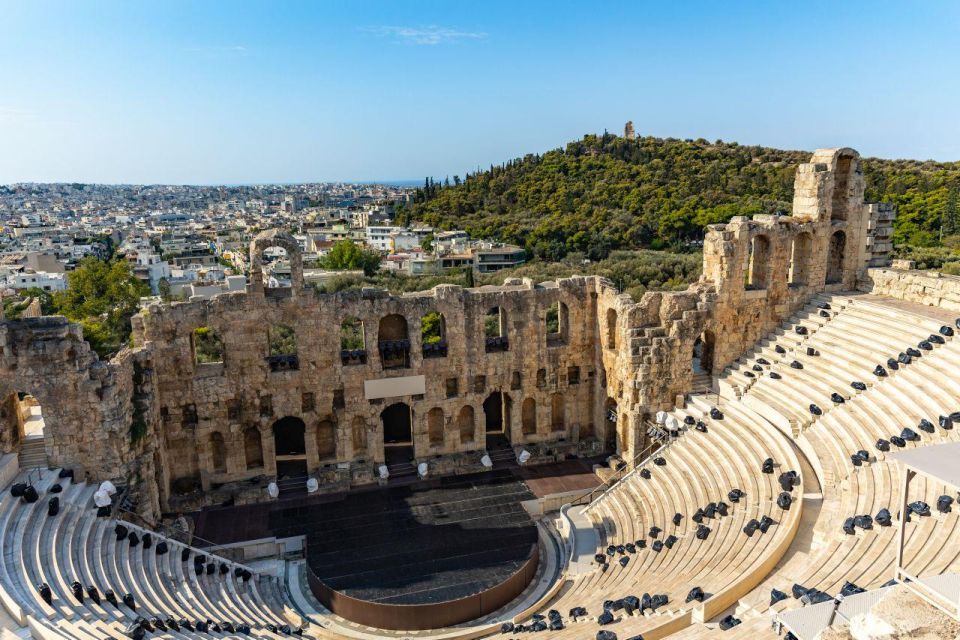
606	192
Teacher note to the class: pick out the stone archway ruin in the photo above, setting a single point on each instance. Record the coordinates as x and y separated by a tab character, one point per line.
275	238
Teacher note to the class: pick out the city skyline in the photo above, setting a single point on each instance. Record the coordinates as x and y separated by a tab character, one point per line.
238	93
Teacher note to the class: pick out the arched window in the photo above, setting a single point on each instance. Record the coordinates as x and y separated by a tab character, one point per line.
288	437
326	440
218	451
800	259
359	434
393	342
557	323
495	330
838	245
558	418
353	344
283	348
207	346
435	426
611	328
528	412
758	267
466	424
396	424
433	335
253	448
840	202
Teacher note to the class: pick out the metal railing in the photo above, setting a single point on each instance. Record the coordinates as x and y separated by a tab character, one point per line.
641	460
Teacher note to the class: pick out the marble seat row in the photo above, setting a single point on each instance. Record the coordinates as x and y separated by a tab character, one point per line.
76	546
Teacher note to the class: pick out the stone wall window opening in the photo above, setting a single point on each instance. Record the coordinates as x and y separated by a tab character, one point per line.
528	414
207	346
573	375
611	332
495	330
282	348
558	413
800	256
452	387
433	335
840	202
218	452
353	343
557	323
326	440
253	448
835	257
758	263
358	434
466	424
703	348
435	420
276	266
393	342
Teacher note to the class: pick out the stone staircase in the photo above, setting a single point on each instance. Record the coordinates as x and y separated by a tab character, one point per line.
33	452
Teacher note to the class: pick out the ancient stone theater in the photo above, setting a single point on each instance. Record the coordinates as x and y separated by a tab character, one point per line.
769	453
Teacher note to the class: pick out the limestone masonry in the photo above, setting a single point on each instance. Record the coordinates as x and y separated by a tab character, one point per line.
288	383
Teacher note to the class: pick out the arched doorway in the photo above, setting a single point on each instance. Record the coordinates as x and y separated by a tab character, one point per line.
610	419
496	415
290	447
397	433
838	244
758	264
703	353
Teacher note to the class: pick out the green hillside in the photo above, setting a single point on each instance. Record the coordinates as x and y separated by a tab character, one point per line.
605	192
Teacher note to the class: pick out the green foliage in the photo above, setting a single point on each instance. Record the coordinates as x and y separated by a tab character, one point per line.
603	193
207	345
13	308
283	341
102	297
491	323
553	319
347	256
351	335
431	328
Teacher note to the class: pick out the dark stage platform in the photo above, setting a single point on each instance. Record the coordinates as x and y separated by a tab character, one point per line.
430	541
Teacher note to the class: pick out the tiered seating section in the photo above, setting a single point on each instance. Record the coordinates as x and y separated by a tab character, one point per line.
842	339
76	545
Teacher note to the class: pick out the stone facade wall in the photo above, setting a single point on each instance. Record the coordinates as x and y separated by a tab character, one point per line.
182	433
198	400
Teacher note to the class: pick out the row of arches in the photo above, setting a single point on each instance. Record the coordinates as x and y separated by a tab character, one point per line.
759	268
393	337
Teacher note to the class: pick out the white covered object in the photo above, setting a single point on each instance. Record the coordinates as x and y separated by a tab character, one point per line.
486	461
273	490
312	485
673	423
383	471
422	469
523	457
107	486
661	417
101	498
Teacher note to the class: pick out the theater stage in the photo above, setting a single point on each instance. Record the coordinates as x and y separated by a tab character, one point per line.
430	541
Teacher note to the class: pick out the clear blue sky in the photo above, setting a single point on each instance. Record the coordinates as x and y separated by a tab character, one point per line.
229	92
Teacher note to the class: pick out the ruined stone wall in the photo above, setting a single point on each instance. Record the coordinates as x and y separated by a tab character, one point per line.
195	401
924	287
86	403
